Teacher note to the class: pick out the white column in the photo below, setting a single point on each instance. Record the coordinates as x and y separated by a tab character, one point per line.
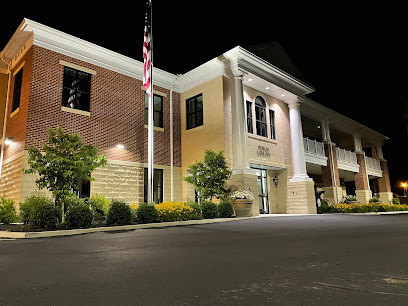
323	128
239	133
357	143
296	135
379	151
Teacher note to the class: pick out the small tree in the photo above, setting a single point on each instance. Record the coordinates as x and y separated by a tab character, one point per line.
65	160
209	176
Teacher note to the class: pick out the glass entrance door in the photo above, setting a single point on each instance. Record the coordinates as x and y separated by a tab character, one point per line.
263	191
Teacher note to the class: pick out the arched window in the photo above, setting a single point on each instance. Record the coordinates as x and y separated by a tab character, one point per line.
260	117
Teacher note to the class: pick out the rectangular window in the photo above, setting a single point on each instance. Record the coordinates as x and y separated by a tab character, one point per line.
157	110
84	188
76	89
250	128
18	80
157	185
194	111
272	123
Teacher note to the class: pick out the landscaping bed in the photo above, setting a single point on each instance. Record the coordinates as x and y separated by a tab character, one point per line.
365	208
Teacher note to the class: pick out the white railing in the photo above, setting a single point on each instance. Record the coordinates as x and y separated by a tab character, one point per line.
373	164
314	147
346	156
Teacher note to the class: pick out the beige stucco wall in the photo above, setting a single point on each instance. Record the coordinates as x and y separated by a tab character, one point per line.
208	136
279	149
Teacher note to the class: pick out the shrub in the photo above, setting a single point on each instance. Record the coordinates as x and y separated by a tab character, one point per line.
196	213
119	213
209	210
324	204
374	200
362	208
79	216
39	211
99	206
147	213
7	211
396	201
174	211
225	209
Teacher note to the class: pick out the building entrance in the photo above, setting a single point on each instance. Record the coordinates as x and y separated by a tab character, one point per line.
263	191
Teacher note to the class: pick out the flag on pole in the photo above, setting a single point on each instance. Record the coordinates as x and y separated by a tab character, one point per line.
147	55
148	84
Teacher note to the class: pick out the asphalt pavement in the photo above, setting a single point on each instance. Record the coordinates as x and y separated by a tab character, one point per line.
297	260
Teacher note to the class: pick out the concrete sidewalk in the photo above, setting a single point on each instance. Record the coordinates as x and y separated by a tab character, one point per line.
79	231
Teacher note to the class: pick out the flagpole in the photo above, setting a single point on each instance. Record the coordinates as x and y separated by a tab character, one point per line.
150	127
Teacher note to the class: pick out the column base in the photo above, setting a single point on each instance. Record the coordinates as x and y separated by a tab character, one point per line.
244	180
301	178
363	196
301	197
333	194
386	197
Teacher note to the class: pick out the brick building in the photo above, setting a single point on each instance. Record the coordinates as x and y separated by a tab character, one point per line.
278	143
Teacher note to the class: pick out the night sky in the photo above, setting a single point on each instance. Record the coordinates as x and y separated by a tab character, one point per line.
355	57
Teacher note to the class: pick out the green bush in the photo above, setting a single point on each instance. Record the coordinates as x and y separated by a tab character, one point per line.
39	211
119	213
324	204
396	201
196	214
374	200
225	209
99	206
147	213
7	211
209	210
79	216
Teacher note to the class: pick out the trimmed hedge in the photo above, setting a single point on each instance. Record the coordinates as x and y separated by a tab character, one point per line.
119	213
39	211
362	208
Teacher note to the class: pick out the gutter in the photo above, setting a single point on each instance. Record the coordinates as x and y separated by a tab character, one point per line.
5	113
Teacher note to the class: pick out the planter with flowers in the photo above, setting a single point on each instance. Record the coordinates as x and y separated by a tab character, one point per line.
242	201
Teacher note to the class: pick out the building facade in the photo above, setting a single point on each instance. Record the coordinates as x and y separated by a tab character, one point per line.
279	144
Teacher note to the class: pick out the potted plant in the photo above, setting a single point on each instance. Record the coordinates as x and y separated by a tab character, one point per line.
351	200
242	201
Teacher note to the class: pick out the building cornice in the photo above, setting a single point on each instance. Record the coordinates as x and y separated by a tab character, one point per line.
49	38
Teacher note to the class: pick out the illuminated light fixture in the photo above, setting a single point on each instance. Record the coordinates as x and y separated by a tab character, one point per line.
9	141
282	95
249	80
120	146
266	87
318	126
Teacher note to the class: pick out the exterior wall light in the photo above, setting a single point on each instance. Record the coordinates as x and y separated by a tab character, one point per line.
275	181
9	141
120	146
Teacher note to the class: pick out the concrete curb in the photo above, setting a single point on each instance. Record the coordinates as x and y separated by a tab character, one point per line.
79	231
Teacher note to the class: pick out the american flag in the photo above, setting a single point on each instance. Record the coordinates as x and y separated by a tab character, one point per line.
147	54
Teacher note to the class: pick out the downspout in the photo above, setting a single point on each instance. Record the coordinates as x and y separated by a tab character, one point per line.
5	114
171	140
332	160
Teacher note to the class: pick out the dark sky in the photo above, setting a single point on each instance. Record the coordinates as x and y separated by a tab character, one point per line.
355	57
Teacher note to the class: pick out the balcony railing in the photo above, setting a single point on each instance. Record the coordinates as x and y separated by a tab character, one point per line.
373	164
314	147
346	156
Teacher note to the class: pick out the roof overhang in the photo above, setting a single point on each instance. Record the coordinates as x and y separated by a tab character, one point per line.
33	33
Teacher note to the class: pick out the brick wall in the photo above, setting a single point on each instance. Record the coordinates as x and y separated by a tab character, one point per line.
116	111
361	176
384	181
16	125
328	178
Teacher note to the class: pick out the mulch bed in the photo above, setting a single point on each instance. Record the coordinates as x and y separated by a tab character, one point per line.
19	228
